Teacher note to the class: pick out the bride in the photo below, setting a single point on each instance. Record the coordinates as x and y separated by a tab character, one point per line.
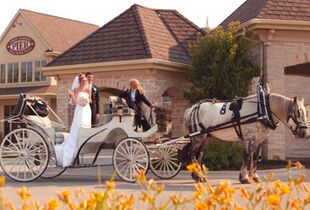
81	97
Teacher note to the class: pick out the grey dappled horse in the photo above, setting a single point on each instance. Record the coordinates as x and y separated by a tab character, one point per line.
251	131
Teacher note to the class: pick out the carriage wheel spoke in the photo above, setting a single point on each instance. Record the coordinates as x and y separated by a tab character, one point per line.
169	167
36	159
121	163
25	172
126	165
16	162
11	143
130	172
140	165
131	147
31	169
36	148
156	160
171	162
30	145
134	150
137	170
127	149
158	164
137	151
124	150
18	141
120	158
10	155
9	149
126	157
20	167
126	172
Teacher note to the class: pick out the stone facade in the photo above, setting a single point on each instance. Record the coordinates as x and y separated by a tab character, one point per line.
156	83
284	48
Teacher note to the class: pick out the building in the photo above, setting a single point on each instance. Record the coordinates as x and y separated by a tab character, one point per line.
282	28
30	41
148	44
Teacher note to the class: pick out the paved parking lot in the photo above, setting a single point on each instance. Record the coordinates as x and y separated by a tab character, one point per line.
87	178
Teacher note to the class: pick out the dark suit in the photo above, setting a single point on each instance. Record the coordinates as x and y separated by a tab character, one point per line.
94	105
136	106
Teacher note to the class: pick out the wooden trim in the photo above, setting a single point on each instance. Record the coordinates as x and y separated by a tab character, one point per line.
276	24
16	96
140	64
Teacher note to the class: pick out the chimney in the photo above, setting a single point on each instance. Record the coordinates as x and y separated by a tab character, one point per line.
207	21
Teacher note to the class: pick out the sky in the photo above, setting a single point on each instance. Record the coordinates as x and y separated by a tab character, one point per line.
100	12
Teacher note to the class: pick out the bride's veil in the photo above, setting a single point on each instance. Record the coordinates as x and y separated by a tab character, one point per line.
75	85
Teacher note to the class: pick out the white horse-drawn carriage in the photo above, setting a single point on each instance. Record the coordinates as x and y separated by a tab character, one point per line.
27	152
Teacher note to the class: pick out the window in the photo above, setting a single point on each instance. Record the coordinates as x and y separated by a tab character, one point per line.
13	72
2	73
26	72
38	74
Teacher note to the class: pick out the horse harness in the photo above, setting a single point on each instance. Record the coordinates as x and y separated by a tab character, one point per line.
262	115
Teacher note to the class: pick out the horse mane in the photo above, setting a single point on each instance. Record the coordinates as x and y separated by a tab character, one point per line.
280	105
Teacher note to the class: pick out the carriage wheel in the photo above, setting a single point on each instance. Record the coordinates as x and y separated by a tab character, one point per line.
129	157
24	155
52	170
164	162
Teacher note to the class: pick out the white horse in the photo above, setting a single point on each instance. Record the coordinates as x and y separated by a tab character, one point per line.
216	119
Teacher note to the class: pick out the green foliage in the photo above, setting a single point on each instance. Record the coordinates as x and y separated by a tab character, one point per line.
221	155
222	65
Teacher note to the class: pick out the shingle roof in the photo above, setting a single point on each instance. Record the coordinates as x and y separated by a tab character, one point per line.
270	9
137	33
60	33
46	90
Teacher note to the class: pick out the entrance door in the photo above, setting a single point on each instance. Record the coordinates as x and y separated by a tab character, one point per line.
7	113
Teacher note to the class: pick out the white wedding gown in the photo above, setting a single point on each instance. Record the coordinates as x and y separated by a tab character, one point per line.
67	151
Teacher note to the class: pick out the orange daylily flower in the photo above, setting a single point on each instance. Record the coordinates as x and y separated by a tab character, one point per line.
2	181
299	165
24	193
52	204
244	193
201	206
274	200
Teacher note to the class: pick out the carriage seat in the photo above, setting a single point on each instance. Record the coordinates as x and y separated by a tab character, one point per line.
104	119
118	103
43	122
60	137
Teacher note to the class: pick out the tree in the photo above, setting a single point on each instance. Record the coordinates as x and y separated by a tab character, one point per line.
222	65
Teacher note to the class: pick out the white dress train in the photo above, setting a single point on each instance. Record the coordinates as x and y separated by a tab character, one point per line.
67	151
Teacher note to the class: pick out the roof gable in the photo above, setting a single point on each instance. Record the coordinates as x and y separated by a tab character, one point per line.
137	33
270	9
59	33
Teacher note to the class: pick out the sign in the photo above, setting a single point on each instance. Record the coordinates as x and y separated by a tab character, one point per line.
20	45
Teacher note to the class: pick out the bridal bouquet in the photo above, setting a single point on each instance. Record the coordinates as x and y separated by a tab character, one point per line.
82	101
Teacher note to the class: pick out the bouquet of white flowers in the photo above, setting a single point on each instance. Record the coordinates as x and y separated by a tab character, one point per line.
82	101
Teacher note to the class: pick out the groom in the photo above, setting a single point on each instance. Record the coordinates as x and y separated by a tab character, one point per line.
94	105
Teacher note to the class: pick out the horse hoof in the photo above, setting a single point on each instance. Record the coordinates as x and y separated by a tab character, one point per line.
257	180
245	181
198	178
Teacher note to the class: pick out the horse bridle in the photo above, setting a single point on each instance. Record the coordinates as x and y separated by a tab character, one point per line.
294	116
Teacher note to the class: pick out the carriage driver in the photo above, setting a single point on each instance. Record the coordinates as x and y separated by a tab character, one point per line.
134	97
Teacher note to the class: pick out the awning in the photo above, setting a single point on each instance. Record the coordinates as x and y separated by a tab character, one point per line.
302	69
13	92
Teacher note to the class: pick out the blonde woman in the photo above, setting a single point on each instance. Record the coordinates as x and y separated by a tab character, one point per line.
134	97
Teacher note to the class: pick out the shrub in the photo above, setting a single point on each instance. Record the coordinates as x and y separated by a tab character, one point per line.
221	155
